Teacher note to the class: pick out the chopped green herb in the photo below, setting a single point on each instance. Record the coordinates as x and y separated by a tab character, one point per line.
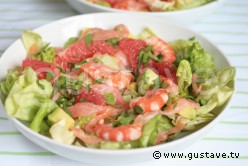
40	85
163	108
97	60
41	50
61	70
138	109
78	65
144	57
166	85
156	83
162	83
160	58
49	76
174	105
100	80
67	111
88	39
202	102
88	87
125	118
189	97
70	41
78	86
113	41
192	38
110	98
82	100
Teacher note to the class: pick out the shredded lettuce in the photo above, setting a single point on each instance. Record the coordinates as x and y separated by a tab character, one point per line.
200	61
215	91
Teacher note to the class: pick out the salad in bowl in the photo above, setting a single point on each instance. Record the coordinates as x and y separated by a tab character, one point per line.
179	11
111	89
151	5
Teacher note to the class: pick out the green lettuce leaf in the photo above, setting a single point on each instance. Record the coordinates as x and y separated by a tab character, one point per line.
187	4
7	84
27	95
200	61
192	124
46	55
217	84
184	76
36	48
215	91
152	128
47	107
32	41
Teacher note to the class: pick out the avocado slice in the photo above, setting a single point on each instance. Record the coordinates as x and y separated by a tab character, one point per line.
109	61
59	114
147	80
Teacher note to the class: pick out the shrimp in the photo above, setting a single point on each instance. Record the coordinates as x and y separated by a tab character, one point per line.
119	31
122	60
161	47
87	139
122	29
152	101
125	133
122	133
196	88
119	79
143	118
170	86
118	134
107	112
180	105
85	109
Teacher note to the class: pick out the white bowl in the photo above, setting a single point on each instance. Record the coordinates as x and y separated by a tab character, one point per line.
58	32
182	17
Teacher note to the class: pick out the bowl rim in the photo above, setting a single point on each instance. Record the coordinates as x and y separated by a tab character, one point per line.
108	9
119	152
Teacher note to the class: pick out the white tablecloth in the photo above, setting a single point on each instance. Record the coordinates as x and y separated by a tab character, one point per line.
227	28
